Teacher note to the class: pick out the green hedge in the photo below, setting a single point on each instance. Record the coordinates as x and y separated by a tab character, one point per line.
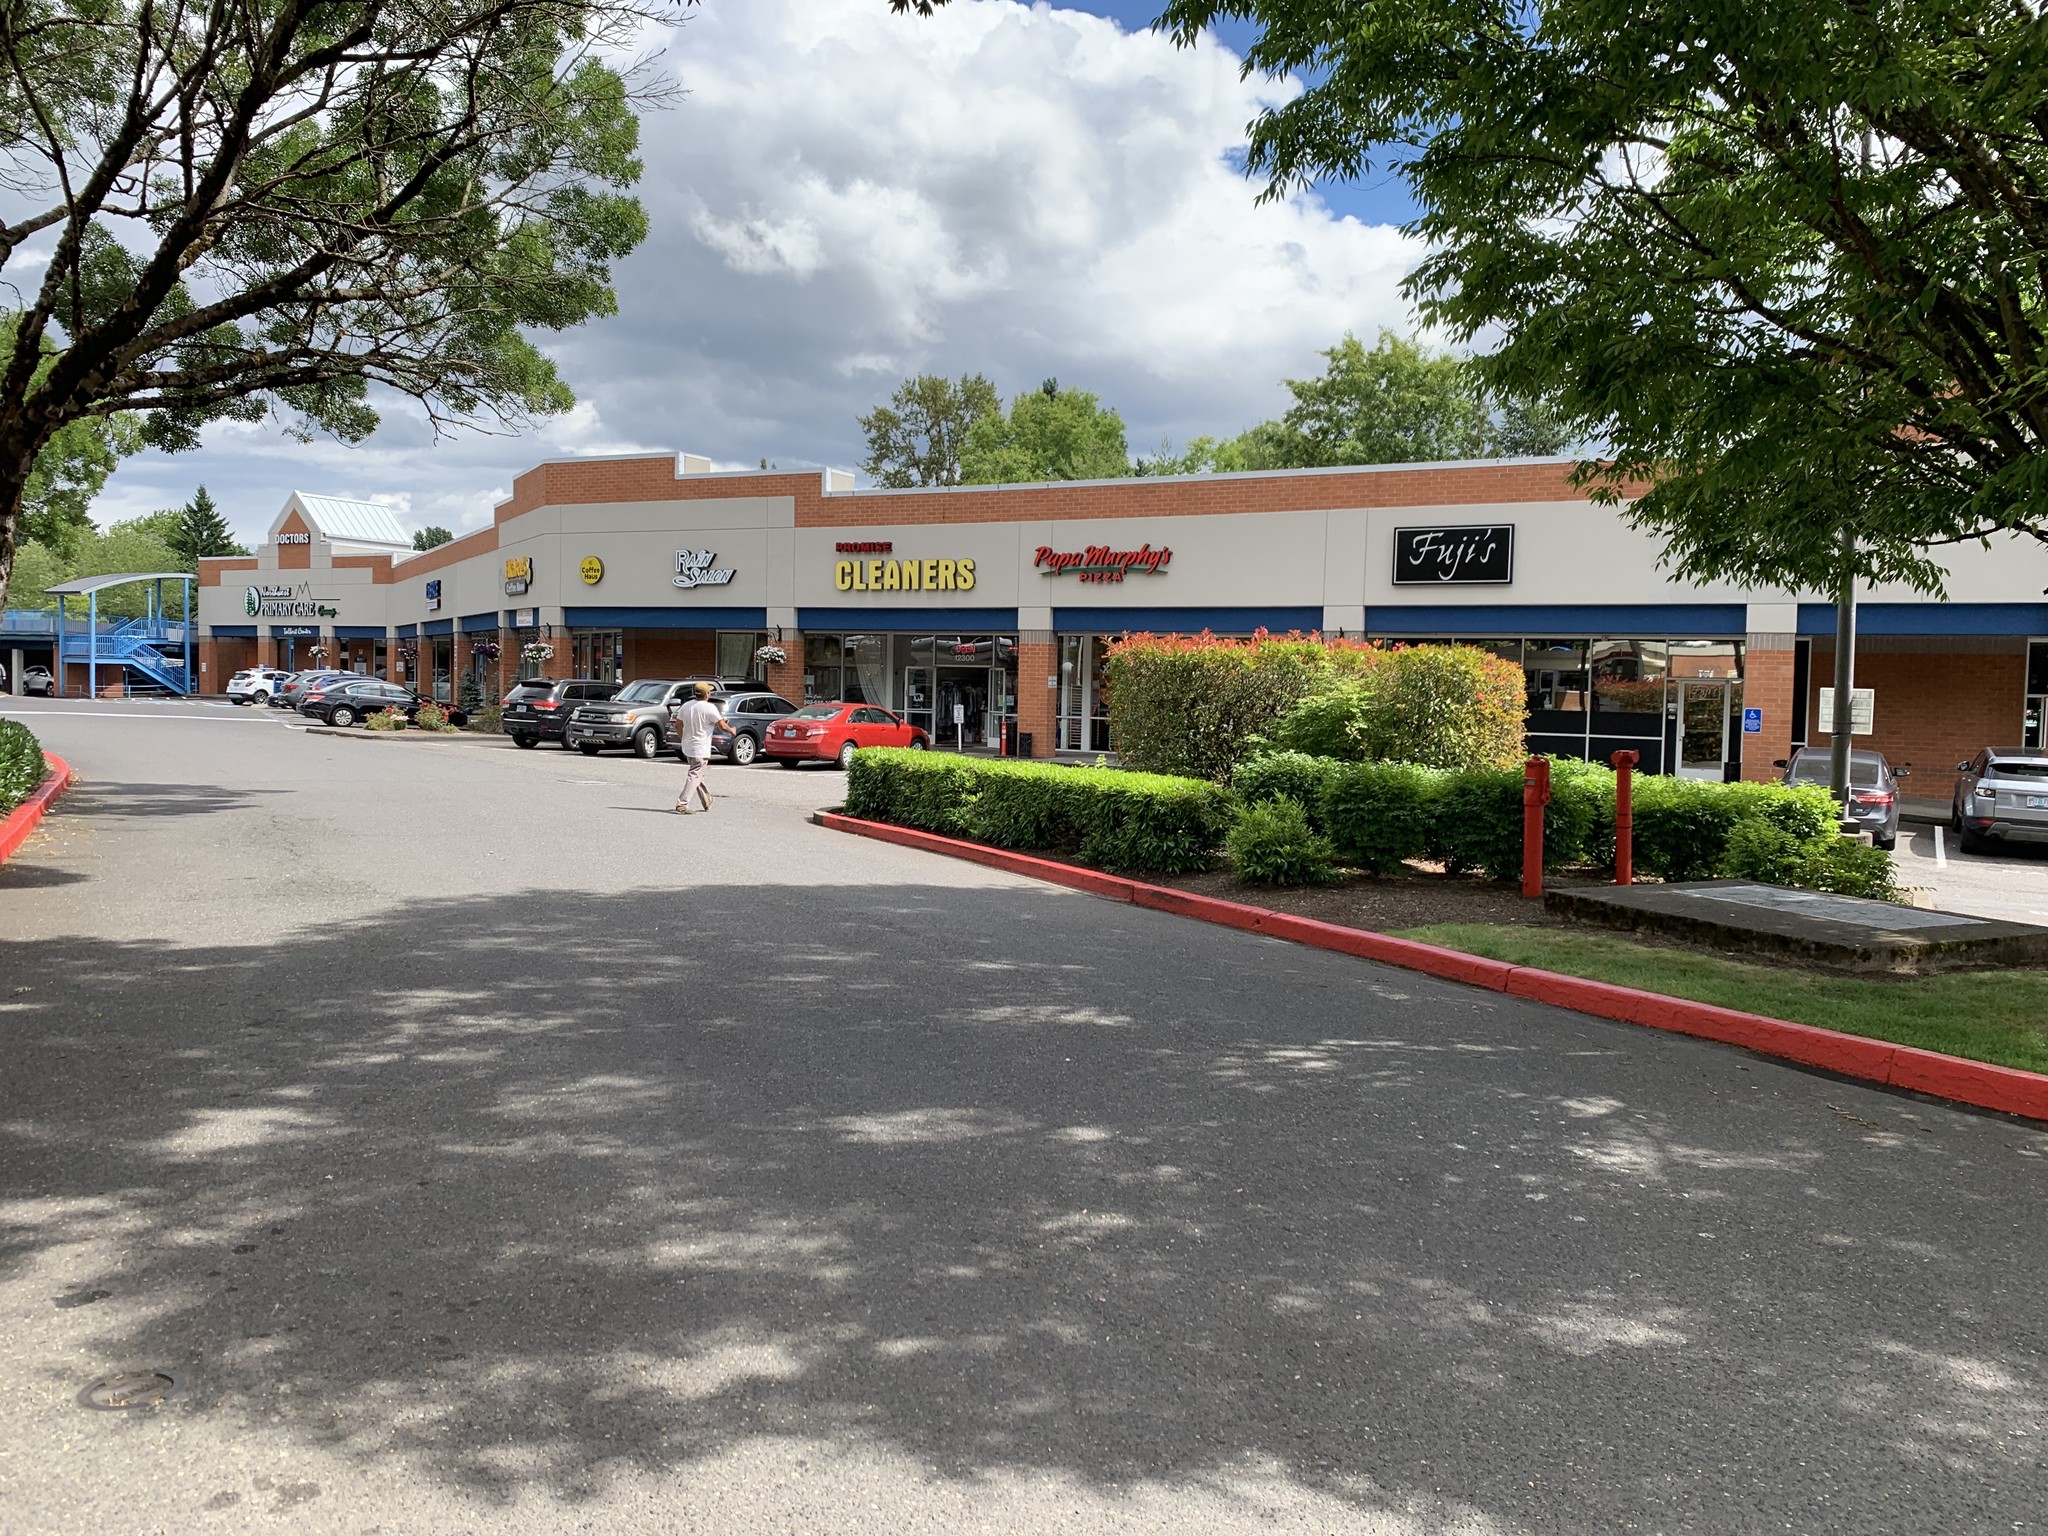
21	764
1377	815
1273	844
1130	823
1444	706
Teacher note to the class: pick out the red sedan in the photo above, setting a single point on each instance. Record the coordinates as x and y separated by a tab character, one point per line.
825	733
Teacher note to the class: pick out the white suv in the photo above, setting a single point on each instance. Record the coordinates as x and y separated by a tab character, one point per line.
256	685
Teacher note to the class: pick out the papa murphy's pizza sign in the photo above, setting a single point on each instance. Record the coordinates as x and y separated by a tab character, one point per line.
1099	562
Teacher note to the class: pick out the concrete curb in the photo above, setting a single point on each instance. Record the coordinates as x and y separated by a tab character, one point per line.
357	733
1979	1084
22	820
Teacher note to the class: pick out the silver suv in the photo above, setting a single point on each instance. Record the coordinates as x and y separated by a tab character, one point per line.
634	717
2001	796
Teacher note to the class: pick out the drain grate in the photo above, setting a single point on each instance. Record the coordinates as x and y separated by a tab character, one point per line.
129	1389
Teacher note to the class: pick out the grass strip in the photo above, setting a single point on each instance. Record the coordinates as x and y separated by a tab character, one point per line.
1994	1016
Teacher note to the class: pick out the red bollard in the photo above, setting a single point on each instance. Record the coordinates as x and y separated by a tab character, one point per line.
1625	817
1535	795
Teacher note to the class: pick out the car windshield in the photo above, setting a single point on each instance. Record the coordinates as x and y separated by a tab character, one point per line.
1814	770
2012	770
817	712
532	690
641	693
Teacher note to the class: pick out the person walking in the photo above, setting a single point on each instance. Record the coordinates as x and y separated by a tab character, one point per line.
694	724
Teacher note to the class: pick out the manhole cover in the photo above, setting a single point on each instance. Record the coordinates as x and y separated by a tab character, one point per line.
129	1389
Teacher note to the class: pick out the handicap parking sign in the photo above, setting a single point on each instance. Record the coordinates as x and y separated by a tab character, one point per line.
1752	722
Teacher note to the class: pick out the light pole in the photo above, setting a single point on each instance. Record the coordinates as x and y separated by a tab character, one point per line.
1843	724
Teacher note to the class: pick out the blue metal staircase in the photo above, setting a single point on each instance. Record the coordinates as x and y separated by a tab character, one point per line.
139	645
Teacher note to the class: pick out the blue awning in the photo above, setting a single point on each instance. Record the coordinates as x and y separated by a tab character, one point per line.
1563	620
477	623
358	632
922	621
1930	619
232	631
438	627
666	618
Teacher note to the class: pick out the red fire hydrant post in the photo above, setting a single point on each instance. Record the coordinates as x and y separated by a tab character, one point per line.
1625	817
1535	795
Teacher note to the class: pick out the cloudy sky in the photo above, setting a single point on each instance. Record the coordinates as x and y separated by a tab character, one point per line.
844	197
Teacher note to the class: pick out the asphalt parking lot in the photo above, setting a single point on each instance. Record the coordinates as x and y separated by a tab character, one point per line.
484	1148
2011	884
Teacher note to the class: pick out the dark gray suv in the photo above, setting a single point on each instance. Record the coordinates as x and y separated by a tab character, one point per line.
540	707
635	717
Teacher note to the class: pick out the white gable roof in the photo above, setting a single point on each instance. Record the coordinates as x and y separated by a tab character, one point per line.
342	521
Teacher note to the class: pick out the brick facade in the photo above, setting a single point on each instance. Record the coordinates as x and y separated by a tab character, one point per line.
1933	708
1767	684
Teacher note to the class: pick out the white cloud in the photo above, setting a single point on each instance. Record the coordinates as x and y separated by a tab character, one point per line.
843	197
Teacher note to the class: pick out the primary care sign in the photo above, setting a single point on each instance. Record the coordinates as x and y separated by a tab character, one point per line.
284	603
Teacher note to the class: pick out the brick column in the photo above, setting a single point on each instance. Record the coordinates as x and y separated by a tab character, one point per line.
787	677
1038	658
1767	685
206	657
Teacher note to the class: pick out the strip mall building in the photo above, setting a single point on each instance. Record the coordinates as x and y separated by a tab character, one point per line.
983	613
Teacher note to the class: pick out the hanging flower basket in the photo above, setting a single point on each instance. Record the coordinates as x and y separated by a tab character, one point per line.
317	655
534	652
771	655
486	650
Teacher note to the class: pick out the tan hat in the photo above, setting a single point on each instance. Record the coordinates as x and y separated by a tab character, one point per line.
703	690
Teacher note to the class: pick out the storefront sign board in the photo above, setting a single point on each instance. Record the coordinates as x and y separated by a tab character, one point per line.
284	603
433	597
696	568
1101	562
903	575
518	575
1862	711
1466	555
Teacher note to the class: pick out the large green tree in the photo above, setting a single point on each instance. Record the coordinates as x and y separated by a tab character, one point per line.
1787	261
431	537
917	438
199	532
1395	404
275	205
1051	433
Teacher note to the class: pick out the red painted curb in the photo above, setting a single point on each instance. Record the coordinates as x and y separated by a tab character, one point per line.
21	821
1976	1083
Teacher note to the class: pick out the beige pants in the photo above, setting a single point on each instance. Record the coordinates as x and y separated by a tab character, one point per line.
693	782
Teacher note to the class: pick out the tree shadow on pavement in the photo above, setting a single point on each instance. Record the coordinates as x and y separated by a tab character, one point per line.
528	1189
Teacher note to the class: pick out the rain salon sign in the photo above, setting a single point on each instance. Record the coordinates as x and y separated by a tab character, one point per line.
694	568
284	603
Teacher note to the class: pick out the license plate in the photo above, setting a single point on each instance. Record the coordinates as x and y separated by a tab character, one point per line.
2037	802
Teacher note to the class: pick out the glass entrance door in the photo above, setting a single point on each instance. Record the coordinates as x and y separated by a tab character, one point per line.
917	699
1703	730
963	692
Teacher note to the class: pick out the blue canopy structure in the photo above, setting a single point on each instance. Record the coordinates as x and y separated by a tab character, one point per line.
137	643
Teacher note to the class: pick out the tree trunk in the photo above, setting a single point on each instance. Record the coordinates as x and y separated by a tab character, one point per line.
20	442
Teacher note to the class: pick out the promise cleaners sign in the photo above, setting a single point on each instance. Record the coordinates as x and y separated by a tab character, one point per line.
1098	562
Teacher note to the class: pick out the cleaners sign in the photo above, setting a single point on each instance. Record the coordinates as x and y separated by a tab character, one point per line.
899	575
1098	562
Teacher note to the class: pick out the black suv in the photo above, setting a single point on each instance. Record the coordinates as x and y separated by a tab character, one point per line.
540	707
749	706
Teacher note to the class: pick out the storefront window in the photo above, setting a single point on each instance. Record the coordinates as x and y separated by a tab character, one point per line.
867	669
736	648
1628	685
823	663
599	653
1556	672
2036	727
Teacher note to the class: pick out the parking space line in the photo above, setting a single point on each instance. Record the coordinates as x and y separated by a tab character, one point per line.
1940	851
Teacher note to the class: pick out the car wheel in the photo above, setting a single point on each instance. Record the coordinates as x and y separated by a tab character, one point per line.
258	697
744	749
787	762
588	748
846	750
1970	840
526	742
1885	840
647	742
342	715
917	743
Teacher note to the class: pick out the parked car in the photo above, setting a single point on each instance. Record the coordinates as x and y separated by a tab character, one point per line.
37	680
830	733
750	708
293	688
635	717
2001	797
255	685
348	700
1873	788
538	708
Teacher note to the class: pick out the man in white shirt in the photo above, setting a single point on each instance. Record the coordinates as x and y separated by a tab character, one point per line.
694	723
